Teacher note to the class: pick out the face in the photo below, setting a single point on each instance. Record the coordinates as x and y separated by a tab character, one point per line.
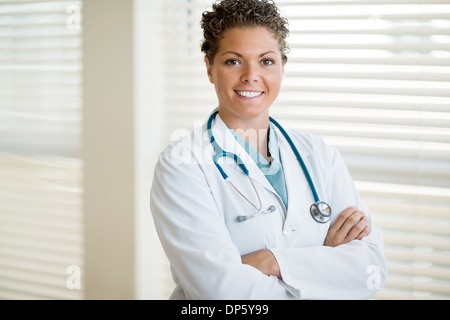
247	71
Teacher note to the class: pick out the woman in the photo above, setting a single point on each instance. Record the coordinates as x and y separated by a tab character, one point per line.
253	236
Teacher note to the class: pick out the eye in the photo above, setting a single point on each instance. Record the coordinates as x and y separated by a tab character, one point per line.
267	62
232	62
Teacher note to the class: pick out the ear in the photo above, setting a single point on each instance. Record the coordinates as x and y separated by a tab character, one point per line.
209	70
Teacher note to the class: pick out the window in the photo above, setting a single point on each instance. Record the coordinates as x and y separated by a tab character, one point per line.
372	78
41	229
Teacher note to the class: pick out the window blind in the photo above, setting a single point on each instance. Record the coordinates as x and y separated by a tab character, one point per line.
372	78
41	226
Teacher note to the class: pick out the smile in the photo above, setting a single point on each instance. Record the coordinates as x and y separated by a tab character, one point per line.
249	94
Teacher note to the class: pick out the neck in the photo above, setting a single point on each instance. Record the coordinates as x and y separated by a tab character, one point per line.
253	129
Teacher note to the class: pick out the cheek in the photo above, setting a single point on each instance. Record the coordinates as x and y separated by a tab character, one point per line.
223	82
274	83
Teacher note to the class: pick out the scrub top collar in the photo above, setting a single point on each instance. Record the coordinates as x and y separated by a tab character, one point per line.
272	171
266	167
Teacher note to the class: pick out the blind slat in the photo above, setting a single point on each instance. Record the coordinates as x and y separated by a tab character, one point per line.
41	224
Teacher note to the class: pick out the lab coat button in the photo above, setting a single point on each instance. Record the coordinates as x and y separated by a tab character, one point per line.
287	231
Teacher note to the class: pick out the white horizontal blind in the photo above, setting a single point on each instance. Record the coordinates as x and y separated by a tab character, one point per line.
41	227
372	78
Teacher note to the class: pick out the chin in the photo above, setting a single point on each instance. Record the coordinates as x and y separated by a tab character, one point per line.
255	111
246	110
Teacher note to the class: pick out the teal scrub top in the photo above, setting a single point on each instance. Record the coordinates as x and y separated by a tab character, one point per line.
272	171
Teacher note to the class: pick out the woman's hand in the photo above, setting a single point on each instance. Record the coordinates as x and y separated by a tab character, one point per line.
264	261
351	224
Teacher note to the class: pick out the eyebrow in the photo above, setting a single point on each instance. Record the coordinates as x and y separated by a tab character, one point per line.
240	55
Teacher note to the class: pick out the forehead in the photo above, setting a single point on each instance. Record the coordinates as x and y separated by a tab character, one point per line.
249	41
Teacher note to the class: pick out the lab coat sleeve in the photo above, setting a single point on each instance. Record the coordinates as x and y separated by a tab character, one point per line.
356	270
195	238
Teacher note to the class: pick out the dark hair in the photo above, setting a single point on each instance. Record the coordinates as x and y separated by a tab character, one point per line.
228	14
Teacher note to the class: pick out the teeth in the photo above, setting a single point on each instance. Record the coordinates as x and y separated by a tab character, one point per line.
249	94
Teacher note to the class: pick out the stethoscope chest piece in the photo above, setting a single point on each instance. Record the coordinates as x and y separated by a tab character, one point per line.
320	211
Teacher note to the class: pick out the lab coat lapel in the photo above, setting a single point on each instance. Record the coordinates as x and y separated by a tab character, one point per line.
227	141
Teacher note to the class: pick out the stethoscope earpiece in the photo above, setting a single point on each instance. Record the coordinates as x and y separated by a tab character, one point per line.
243	218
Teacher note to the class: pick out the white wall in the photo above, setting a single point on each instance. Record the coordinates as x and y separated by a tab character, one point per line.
108	149
123	123
152	268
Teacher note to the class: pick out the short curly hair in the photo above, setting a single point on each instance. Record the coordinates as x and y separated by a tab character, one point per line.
228	14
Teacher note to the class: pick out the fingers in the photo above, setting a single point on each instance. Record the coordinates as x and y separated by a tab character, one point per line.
351	224
358	230
346	220
264	261
364	233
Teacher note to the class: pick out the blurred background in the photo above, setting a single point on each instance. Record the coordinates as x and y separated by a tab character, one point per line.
91	91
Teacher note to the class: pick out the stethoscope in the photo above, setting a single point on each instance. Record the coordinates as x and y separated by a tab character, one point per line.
319	210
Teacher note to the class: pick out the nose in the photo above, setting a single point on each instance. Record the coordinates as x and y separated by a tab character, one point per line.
250	73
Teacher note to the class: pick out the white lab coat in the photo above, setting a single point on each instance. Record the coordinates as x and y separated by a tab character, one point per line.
195	210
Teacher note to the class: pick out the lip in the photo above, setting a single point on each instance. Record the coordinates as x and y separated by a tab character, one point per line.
249	94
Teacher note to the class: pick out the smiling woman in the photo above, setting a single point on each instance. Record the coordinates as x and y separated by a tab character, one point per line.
370	77
214	235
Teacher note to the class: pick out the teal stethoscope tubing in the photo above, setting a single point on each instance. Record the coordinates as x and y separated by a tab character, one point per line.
320	210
